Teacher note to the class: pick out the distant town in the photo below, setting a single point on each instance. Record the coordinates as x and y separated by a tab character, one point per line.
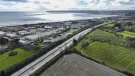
42	34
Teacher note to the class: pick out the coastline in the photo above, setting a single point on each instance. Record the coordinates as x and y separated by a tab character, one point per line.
44	22
15	25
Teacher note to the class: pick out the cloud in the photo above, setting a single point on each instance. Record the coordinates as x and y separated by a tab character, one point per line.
42	5
16	0
127	2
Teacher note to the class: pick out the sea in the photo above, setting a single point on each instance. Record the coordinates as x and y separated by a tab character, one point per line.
19	18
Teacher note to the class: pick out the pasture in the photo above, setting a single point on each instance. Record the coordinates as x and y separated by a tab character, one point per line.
6	61
126	34
110	25
101	35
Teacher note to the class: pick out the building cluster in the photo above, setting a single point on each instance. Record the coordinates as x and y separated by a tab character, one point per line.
45	32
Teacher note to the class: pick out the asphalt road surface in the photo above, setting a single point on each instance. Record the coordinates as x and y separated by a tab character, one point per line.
35	65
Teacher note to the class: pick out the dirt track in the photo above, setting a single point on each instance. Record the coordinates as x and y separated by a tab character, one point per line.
75	65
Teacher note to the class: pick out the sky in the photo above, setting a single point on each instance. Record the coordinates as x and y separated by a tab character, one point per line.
45	5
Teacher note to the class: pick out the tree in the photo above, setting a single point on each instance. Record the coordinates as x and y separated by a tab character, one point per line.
74	42
3	41
16	41
117	25
129	23
130	42
2	73
83	45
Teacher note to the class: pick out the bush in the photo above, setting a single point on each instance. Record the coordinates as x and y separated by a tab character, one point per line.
83	45
13	53
2	73
130	42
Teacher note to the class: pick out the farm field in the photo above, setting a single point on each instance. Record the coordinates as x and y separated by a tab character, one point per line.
76	65
110	25
6	60
114	56
103	35
126	34
99	34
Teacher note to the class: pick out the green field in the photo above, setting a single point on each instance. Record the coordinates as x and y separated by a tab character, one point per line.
40	44
126	34
132	21
6	60
99	34
114	56
110	25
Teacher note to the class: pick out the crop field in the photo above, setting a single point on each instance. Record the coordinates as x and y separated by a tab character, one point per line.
76	65
6	60
118	57
99	34
126	34
110	25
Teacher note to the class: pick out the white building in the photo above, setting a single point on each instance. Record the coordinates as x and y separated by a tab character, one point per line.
38	36
48	27
10	35
33	38
23	33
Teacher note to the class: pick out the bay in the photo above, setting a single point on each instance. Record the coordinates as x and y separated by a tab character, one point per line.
18	18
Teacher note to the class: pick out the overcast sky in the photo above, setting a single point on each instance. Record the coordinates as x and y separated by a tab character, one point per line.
43	5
